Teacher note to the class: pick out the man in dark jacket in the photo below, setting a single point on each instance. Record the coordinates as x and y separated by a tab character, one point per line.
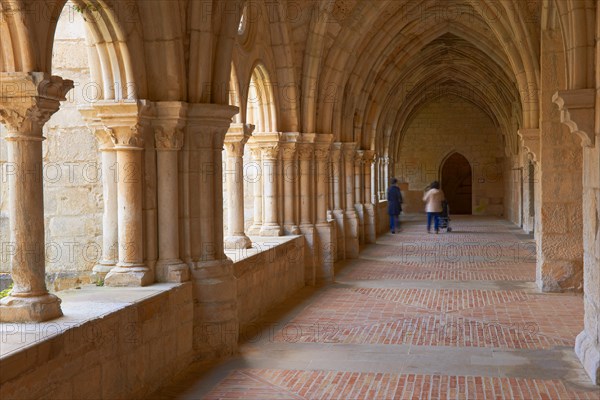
394	197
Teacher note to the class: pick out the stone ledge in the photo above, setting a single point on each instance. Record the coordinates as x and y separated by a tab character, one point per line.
102	330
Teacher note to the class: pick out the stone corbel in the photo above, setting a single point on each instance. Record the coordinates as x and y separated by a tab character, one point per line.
531	141
577	108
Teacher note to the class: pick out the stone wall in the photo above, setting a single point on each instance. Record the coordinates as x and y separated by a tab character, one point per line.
269	277
446	125
72	182
128	353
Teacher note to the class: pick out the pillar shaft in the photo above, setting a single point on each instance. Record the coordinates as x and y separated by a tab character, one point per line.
27	103
351	222
290	178
258	188
306	163
235	140
270	156
110	230
338	198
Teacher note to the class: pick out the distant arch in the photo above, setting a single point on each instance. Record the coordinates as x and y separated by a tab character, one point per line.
457	183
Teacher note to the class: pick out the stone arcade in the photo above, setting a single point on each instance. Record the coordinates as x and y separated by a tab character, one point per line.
174	169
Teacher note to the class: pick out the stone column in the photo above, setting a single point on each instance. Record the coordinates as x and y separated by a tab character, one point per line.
338	198
290	178
369	208
324	229
110	227
386	177
258	188
531	143
235	140
375	187
121	122
110	232
578	111
351	222
168	123
305	157
270	156
27	101
214	286
358	194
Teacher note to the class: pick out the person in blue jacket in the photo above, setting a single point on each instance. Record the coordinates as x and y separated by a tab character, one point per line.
394	197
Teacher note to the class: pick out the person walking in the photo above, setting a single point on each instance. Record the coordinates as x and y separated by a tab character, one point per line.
433	199
394	197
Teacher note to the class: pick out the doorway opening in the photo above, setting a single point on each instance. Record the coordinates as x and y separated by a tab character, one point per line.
457	184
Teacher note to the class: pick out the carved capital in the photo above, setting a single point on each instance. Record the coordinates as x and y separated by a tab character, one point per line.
322	152
531	141
168	140
369	157
305	151
288	151
349	150
359	156
255	152
236	138
270	151
126	137
577	111
104	139
234	149
336	151
28	100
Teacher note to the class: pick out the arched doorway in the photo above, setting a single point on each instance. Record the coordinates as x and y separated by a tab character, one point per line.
457	178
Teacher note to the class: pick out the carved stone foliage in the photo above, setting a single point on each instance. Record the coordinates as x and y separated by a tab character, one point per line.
168	139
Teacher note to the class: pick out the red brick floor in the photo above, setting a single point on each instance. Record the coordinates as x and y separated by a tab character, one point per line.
417	316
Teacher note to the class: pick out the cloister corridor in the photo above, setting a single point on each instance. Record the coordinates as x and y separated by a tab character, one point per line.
455	316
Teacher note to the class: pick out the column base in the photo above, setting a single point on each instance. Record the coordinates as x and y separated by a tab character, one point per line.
291	229
30	309
129	276
559	276
338	216
324	271
100	271
174	271
370	223
270	230
216	326
309	254
237	242
351	234
589	355
254	230
360	213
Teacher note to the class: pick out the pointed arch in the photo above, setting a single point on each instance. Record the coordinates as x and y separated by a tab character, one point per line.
261	110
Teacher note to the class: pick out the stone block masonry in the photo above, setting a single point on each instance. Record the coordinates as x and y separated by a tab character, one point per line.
112	343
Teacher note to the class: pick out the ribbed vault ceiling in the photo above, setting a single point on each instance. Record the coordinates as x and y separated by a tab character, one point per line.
390	58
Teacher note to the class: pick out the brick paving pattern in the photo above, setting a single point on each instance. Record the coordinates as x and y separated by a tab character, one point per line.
429	292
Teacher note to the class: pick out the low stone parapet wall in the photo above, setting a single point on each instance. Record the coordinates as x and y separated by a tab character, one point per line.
267	274
110	343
